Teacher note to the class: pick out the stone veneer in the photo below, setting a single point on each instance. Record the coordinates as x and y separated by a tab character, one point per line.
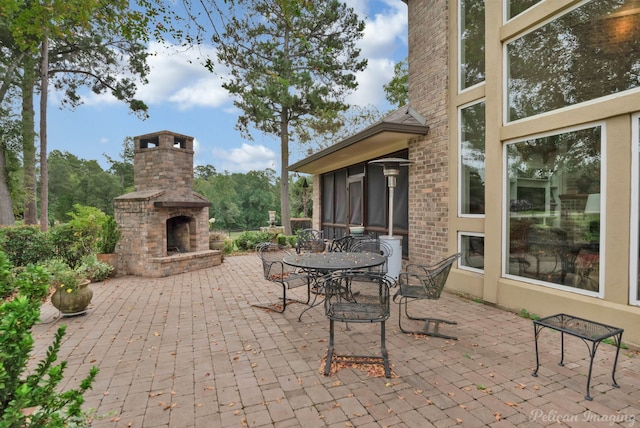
164	223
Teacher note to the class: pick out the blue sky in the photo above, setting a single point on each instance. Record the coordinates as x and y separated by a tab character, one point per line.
184	97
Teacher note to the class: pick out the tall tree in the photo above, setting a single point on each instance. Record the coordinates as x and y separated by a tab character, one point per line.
10	178
123	169
397	90
28	140
83	43
289	60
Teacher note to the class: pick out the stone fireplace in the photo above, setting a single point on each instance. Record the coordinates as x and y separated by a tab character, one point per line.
164	223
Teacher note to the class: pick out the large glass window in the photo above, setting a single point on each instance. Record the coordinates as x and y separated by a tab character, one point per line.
553	221
472	152
589	52
471	27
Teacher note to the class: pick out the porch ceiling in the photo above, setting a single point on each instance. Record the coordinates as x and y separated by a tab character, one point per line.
388	135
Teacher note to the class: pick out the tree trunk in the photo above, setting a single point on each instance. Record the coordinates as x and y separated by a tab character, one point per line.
44	170
6	205
28	142
284	175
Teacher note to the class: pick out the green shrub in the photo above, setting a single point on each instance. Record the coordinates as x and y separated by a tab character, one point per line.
109	236
292	240
33	282
93	269
68	246
6	278
282	240
249	239
228	246
38	389
79	237
25	245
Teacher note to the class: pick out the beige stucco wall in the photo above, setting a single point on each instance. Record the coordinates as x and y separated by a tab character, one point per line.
434	222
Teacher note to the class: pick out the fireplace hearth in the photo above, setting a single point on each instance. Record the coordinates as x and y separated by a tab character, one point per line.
164	222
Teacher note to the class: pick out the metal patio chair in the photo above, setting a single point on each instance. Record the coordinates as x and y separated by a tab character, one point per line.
374	245
278	272
341	244
310	240
420	282
357	297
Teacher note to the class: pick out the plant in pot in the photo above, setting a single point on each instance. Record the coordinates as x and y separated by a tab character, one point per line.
109	236
71	292
218	241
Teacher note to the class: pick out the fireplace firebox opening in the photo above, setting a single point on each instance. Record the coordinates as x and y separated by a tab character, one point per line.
181	234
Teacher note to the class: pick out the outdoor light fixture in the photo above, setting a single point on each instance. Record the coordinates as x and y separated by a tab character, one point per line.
391	170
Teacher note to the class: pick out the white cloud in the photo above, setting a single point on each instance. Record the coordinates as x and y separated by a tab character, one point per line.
178	77
384	30
384	43
245	158
370	83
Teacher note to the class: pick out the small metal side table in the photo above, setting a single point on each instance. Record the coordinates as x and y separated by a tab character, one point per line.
588	331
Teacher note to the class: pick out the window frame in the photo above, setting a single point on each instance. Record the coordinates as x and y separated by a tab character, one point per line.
460	250
459	40
460	166
505	72
506	210
634	299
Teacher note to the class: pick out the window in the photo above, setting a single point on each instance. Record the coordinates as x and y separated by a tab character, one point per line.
516	7
554	211
634	278
471	28
589	52
472	151
471	246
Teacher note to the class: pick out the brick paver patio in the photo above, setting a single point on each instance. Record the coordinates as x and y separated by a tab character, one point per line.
190	351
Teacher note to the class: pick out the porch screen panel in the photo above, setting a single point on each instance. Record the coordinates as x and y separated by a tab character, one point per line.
340	187
377	197
355	203
401	201
328	193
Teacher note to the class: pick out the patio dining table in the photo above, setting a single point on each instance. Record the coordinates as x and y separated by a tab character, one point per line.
319	264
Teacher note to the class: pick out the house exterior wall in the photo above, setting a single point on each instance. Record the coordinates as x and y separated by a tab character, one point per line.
429	183
433	194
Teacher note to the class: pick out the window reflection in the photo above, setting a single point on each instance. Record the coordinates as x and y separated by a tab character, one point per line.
471	42
472	159
590	52
553	224
516	7
472	249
